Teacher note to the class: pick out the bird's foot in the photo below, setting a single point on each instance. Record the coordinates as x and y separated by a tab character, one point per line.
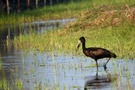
105	67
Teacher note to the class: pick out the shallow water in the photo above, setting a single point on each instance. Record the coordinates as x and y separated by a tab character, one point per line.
36	26
51	71
21	70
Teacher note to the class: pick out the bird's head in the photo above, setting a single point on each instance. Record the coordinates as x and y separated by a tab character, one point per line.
81	40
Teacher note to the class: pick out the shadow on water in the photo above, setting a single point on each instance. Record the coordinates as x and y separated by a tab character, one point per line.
99	81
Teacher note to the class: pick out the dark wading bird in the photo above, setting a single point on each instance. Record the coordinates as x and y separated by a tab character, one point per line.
95	52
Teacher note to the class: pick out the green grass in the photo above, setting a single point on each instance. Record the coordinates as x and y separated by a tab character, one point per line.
107	26
119	40
66	10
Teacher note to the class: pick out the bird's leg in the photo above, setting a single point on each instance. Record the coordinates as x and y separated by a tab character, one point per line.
97	65
106	63
96	75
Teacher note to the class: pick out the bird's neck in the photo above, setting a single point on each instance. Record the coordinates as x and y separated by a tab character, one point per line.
83	46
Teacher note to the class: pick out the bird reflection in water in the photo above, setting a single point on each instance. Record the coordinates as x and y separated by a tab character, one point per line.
98	82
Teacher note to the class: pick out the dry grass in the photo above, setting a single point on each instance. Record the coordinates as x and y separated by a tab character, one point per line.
105	16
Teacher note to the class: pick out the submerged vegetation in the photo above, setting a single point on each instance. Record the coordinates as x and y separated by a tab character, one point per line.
107	26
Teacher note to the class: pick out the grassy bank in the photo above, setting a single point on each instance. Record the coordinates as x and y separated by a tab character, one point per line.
107	26
65	10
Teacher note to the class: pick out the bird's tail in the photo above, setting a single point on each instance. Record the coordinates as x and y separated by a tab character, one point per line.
113	55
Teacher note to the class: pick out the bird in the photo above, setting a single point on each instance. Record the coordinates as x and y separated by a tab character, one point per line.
95	53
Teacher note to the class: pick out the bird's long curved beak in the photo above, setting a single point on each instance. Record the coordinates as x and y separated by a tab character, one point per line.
78	45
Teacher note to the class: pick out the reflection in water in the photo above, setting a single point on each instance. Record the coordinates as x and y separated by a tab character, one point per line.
98	82
26	28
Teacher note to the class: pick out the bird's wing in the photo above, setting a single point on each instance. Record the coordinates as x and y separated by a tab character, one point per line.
96	51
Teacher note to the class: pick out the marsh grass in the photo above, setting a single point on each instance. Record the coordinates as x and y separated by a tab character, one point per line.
0	62
3	81
5	84
122	77
108	26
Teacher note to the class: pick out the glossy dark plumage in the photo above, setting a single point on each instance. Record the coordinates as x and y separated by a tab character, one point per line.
95	52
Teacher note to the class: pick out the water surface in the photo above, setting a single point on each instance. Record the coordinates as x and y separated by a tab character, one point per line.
50	71
36	26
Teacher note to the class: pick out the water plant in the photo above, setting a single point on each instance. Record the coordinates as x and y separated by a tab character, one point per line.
0	62
3	82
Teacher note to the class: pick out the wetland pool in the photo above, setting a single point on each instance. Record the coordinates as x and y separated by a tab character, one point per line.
20	70
53	71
